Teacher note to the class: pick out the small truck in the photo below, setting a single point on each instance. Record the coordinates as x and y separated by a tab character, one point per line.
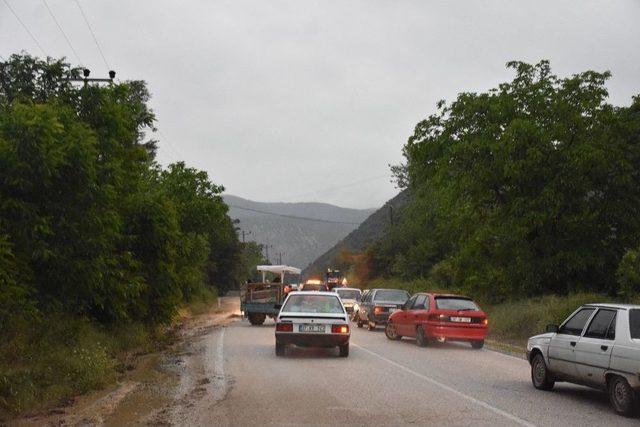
263	299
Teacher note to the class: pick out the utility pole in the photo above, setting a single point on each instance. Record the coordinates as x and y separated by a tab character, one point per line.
86	79
266	247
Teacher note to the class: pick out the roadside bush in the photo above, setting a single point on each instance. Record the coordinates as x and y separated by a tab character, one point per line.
628	274
516	321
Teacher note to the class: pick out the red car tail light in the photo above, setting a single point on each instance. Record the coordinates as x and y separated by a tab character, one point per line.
485	321
339	329
284	327
378	310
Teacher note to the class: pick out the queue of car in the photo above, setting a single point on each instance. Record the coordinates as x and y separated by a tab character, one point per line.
597	346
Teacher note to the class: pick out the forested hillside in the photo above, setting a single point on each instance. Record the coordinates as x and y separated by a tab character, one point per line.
95	237
369	232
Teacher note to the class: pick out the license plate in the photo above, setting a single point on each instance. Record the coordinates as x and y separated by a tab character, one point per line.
461	319
311	328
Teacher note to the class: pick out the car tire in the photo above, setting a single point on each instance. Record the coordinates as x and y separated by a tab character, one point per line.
371	326
421	338
257	319
344	350
280	349
477	344
390	332
621	396
540	375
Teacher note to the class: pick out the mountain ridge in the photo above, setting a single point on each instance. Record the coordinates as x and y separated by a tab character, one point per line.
294	233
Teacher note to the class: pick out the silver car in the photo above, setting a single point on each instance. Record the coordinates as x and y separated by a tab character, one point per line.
597	346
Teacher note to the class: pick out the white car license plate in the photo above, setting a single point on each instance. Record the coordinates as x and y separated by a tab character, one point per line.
461	319
311	328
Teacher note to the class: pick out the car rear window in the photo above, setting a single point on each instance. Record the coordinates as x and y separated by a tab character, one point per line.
391	295
634	323
455	303
349	294
313	304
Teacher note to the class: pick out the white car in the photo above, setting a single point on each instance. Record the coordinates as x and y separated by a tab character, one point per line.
350	298
312	319
597	346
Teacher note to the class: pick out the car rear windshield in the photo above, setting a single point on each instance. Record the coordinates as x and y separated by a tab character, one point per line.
313	304
391	295
634	323
455	303
349	294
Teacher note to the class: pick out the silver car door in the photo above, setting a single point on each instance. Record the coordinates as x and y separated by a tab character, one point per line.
593	350
562	345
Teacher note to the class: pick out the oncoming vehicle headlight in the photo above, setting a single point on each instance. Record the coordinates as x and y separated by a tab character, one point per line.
356	307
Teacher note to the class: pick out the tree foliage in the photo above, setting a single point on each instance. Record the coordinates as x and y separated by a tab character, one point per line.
90	224
529	188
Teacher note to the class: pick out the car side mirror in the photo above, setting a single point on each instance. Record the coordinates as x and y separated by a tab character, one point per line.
278	306
552	328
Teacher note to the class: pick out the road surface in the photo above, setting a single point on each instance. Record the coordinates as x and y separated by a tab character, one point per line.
383	383
224	372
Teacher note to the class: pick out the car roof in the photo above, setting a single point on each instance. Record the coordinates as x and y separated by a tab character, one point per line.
614	305
347	289
329	294
438	295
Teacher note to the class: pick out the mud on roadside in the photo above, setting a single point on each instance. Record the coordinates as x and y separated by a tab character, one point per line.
159	389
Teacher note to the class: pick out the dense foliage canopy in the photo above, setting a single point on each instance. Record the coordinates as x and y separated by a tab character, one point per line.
532	187
89	224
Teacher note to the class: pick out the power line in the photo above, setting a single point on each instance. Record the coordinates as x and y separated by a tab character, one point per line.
35	40
340	187
95	39
62	31
328	221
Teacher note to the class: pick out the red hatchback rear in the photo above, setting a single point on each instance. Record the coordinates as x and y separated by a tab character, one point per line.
439	317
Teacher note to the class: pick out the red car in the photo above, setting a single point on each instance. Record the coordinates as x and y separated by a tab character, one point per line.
439	317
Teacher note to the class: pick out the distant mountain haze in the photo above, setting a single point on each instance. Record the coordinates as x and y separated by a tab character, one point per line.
295	233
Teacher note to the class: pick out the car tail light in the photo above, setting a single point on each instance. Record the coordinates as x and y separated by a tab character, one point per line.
485	321
284	327
378	310
439	317
339	329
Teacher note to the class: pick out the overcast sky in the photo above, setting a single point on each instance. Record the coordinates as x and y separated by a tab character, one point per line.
311	100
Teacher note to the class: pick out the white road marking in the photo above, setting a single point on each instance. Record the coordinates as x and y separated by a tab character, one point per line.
471	399
219	383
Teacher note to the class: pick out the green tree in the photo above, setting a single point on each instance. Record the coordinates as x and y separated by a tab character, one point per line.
530	187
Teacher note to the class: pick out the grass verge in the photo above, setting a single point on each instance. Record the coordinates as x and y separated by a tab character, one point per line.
46	364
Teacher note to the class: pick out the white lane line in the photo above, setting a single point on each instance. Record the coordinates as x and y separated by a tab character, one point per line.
481	403
219	382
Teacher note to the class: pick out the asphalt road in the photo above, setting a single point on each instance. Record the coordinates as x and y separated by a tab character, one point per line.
381	383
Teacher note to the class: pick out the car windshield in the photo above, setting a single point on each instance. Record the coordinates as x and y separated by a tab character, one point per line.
634	323
313	304
349	293
455	303
391	295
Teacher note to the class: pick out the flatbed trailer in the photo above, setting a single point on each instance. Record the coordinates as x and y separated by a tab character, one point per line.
264	299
